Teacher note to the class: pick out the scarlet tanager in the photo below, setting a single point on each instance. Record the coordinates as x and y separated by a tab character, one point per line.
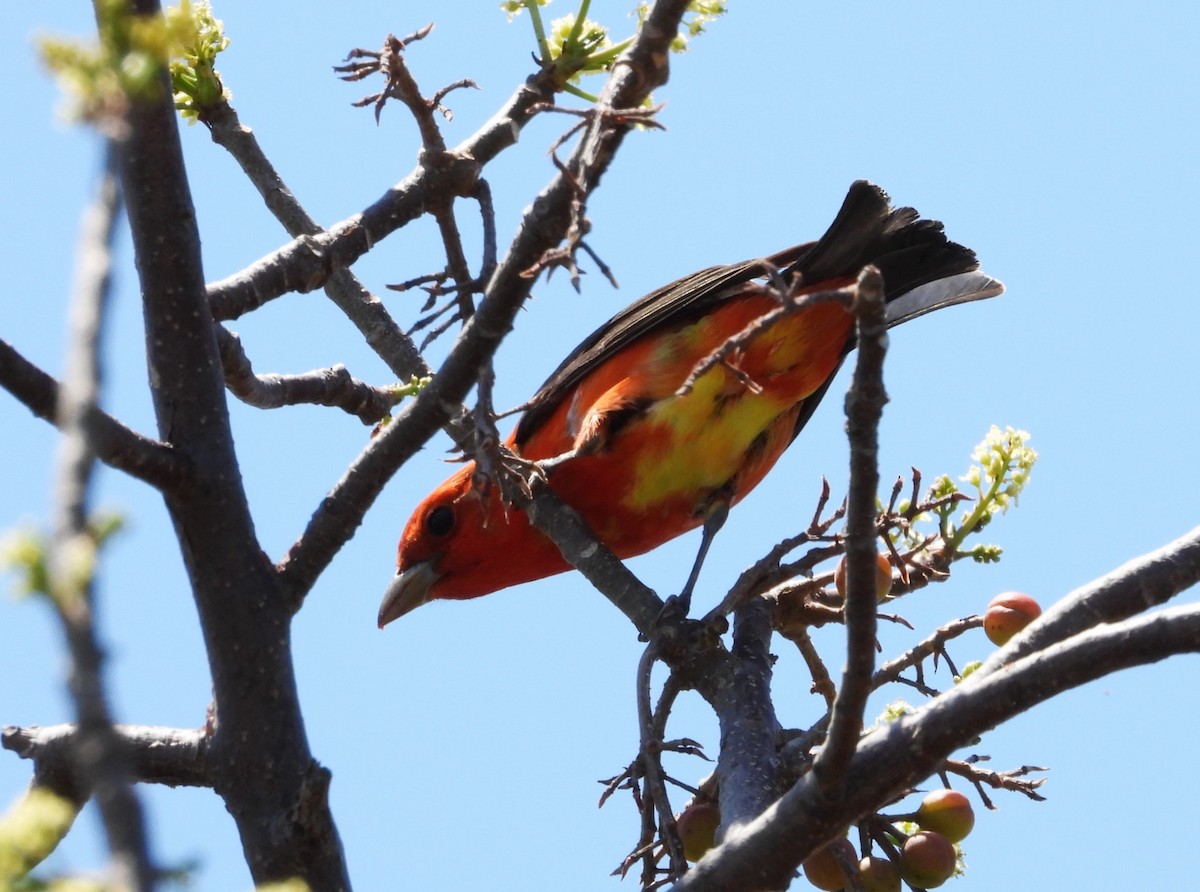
644	462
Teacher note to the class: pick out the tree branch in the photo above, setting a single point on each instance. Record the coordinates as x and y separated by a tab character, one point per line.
308	261
748	764
864	407
932	645
261	763
900	754
1160	575
642	68
71	556
603	569
655	801
333	386
116	445
365	310
1013	780
174	757
822	683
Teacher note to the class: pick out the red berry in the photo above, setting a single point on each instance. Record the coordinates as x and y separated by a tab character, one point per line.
927	860
947	812
822	869
697	826
879	874
1007	614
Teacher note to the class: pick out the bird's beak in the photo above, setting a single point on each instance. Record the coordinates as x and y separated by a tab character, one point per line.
408	590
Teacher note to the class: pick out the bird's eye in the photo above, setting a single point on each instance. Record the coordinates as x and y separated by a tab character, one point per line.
440	520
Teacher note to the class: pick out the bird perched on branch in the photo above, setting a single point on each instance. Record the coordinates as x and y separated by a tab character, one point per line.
659	422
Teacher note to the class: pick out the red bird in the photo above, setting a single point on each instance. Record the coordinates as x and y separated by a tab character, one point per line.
644	463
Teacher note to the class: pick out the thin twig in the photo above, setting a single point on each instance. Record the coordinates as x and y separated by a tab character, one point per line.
333	386
593	120
487	213
456	259
931	646
790	306
766	572
650	753
403	86
1013	780
822	683
400	84
864	407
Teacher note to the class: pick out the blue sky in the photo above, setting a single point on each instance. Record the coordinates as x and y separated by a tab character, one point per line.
1058	140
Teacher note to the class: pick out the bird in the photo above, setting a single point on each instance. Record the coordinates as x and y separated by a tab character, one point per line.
644	459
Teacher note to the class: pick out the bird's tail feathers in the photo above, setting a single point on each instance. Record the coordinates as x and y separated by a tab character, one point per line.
947	292
922	269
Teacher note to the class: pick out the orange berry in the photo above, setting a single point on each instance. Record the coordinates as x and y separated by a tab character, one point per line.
1007	614
697	826
822	869
883	577
947	812
879	874
927	860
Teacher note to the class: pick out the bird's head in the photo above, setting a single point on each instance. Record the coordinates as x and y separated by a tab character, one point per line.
462	543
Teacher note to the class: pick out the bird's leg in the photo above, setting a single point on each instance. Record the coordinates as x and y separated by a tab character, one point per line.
714	519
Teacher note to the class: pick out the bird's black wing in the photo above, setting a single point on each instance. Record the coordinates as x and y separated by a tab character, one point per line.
681	301
909	252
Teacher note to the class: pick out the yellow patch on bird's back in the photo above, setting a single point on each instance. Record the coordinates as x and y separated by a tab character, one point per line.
727	423
715	429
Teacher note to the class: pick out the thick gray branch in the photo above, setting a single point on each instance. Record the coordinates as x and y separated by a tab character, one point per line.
906	751
261	763
748	765
1144	582
175	757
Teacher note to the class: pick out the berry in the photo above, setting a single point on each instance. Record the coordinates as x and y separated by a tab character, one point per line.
879	874
927	860
822	869
697	826
1007	614
947	812
883	577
